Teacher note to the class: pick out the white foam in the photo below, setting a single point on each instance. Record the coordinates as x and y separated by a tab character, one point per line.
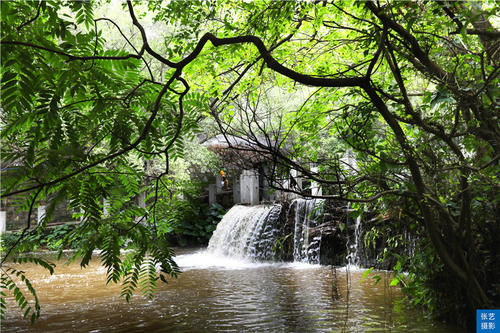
208	260
302	265
352	268
205	259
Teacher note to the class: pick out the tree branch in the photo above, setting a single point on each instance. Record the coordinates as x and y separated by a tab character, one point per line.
33	19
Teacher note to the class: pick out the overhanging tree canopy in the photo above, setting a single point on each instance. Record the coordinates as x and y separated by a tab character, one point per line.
410	87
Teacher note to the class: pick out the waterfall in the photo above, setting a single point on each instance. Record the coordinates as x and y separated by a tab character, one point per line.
353	256
247	231
307	235
253	231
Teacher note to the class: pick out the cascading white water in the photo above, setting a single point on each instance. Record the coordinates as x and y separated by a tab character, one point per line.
246	232
307	240
353	258
252	231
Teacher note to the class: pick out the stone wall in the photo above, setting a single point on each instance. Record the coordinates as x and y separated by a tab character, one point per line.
16	218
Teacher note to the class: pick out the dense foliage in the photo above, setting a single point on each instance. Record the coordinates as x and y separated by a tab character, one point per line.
50	239
407	89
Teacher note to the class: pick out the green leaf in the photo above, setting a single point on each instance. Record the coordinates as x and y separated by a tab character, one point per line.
366	273
394	282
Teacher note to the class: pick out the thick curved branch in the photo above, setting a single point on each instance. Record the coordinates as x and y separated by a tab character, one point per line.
145	38
273	64
415	48
270	61
433	232
247	68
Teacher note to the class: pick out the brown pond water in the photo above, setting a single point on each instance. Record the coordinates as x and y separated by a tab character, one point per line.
215	294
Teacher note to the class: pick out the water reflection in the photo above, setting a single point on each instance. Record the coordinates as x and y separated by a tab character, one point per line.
217	295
